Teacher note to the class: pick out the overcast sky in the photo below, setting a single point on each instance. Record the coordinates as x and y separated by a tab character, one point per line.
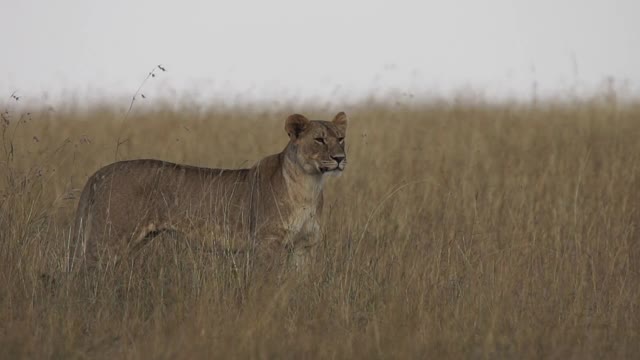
329	50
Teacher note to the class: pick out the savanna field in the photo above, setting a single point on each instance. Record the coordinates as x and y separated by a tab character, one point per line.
458	230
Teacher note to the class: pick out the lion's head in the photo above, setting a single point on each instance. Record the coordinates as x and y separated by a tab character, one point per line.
317	146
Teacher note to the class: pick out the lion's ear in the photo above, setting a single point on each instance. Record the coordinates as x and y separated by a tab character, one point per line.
295	125
341	121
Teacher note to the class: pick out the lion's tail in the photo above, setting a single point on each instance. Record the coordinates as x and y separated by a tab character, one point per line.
81	232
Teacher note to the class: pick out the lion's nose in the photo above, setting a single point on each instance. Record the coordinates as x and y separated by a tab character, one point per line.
338	158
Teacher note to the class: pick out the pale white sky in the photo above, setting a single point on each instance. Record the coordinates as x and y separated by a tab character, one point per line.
328	50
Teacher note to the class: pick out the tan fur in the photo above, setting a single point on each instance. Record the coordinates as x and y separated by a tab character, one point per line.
271	207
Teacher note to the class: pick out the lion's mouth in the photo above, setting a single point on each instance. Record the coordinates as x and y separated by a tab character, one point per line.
325	169
332	166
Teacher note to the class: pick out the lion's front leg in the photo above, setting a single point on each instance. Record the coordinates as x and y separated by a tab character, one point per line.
303	251
300	259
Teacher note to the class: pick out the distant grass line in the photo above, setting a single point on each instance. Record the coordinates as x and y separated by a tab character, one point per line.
458	230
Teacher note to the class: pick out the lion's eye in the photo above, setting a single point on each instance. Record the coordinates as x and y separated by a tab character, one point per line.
341	140
319	140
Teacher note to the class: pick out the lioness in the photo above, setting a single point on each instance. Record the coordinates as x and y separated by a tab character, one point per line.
273	206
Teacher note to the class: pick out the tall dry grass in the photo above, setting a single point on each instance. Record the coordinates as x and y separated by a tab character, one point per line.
457	231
